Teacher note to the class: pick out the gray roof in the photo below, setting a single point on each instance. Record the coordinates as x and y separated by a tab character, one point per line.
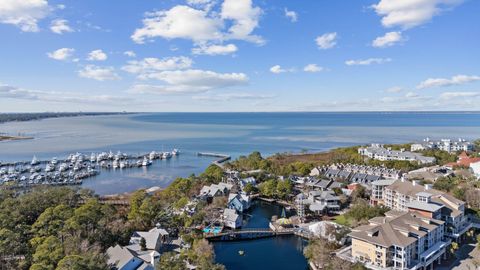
430	207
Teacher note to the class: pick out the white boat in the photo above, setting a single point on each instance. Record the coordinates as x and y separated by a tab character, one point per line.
166	155
153	155
49	168
123	164
115	164
34	161
54	161
139	163
175	152
146	162
93	158
110	155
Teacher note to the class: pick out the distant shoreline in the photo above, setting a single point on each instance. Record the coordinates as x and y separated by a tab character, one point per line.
23	117
14	138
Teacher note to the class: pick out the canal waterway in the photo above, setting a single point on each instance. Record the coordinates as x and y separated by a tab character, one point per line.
281	252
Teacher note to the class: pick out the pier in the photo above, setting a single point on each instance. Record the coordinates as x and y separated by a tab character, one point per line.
219	162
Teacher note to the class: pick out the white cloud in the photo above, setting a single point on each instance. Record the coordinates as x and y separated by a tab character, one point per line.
411	13
245	18
62	54
60	26
215	49
130	53
13	92
389	39
24	14
292	15
98	73
439	82
312	68
97	55
452	95
202	26
394	89
411	95
206	5
232	96
190	81
366	62
326	41
277	69
152	65
179	22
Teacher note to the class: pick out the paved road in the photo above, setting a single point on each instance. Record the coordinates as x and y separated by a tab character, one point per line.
464	260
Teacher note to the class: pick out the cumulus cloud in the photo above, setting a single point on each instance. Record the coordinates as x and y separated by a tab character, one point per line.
189	81
366	62
60	26
411	13
453	95
97	55
387	40
312	68
13	92
151	65
440	82
215	49
326	41
130	53
277	69
201	25
291	15
24	14
98	73
62	54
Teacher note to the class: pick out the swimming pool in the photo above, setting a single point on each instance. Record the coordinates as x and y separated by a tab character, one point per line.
213	230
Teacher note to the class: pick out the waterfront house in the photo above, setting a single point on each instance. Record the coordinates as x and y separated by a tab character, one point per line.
323	201
400	240
249	180
409	196
240	202
231	219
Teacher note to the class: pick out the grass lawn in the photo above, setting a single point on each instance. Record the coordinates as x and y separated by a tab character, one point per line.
341	220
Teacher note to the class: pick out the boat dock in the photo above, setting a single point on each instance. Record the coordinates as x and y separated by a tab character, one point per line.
219	162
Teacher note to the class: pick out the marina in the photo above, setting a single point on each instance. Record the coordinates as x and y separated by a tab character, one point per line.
73	169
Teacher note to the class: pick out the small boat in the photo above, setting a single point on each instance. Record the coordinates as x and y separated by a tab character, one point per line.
241	252
34	161
175	152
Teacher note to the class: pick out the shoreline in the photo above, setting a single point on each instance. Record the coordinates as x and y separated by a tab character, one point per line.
6	138
26	117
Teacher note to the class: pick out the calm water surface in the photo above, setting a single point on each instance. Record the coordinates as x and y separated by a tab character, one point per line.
280	253
229	133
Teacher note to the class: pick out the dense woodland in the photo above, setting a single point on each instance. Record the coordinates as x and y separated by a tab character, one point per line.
10	117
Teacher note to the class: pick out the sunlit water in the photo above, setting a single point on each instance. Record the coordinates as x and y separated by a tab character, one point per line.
228	133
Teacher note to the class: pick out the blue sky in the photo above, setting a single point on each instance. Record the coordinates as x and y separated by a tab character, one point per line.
239	55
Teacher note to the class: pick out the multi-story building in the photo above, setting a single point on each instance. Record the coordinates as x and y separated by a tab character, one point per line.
444	144
409	196
379	152
400	240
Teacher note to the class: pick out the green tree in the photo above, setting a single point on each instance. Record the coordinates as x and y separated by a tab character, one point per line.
171	261
213	174
284	188
48	253
268	188
88	261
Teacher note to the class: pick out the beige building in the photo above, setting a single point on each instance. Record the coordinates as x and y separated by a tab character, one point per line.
410	196
400	240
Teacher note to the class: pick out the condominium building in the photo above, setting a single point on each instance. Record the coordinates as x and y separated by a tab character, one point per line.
379	152
412	197
400	240
444	144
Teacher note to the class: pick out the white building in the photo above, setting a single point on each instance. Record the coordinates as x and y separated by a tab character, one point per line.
475	168
231	219
377	151
444	144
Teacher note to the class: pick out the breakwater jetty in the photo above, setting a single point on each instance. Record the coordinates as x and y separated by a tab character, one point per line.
218	162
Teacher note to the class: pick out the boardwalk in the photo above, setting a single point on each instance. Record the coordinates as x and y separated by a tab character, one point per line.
219	162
